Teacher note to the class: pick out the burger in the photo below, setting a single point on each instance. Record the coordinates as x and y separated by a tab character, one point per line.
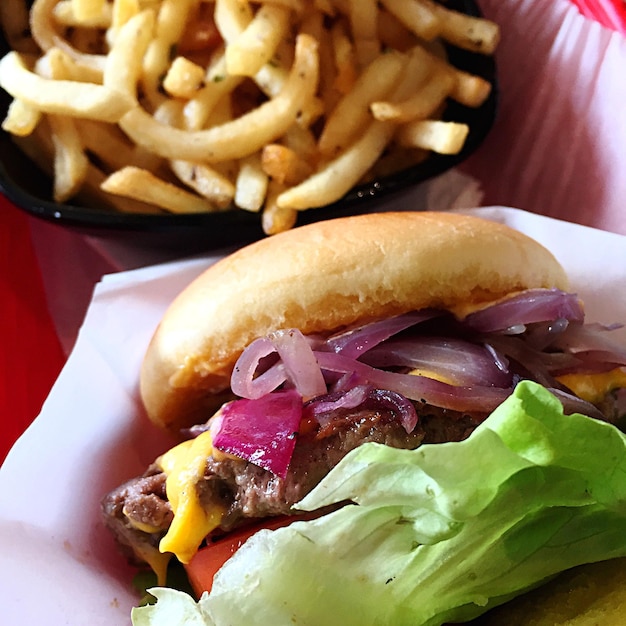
311	374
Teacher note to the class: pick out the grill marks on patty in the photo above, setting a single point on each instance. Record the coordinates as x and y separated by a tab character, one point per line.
138	513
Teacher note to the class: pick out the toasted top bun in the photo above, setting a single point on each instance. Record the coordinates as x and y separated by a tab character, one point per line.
323	277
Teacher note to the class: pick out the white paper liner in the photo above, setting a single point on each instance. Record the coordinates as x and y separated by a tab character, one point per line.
59	566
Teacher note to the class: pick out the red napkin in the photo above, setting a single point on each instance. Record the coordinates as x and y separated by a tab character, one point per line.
31	356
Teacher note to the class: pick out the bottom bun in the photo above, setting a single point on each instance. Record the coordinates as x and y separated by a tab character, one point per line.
589	595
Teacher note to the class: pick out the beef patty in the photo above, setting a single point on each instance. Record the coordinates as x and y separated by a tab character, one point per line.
138	513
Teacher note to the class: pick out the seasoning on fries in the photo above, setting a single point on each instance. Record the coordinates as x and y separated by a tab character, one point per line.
270	106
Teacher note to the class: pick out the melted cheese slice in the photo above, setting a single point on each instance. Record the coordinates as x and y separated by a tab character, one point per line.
594	387
419	371
184	467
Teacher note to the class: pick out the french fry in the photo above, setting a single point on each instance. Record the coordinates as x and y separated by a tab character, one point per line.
70	161
218	83
170	24
436	135
284	165
345	59
83	14
138	184
396	159
327	92
271	79
276	219
122	11
364	24
91	193
421	104
468	89
418	17
341	174
21	118
232	18
465	31
255	46
45	35
206	181
61	96
393	34
301	139
251	184
351	114
184	79
42	24
88	10
39	149
123	68
240	137
58	64
112	149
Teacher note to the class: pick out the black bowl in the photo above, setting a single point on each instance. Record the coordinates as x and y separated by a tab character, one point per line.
30	189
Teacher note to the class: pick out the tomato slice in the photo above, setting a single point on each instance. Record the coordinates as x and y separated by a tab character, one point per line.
204	565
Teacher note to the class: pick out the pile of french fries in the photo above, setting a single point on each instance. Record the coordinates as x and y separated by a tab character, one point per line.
271	106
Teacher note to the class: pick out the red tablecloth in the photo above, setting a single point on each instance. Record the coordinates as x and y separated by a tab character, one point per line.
31	355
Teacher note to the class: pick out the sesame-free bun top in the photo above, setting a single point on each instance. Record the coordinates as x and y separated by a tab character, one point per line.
323	277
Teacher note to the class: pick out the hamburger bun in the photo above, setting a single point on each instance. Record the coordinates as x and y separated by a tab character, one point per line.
324	277
587	595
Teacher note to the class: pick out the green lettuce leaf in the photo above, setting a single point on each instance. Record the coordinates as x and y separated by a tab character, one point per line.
438	534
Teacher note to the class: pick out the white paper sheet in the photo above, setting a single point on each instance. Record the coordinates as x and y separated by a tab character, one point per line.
59	566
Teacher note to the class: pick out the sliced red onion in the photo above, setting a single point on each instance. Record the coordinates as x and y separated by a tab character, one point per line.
574	404
299	361
245	383
460	362
261	431
528	307
344	382
297	364
542	335
537	334
538	365
420	388
322	407
591	338
594	361
502	363
355	342
397	403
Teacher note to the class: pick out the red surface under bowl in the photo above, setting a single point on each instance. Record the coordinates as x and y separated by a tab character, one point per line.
31	355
